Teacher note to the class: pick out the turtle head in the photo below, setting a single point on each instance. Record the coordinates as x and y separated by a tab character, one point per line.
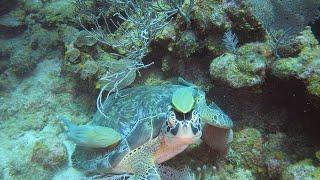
183	121
183	127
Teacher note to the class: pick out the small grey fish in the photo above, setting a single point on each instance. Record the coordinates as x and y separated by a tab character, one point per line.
91	136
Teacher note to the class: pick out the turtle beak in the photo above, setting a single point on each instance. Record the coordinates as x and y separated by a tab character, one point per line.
184	128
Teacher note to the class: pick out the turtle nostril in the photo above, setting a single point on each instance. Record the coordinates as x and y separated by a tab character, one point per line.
183	116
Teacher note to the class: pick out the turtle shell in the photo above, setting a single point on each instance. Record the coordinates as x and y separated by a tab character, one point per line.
119	111
138	114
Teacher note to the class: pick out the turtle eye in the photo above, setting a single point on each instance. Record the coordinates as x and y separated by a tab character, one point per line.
195	116
172	119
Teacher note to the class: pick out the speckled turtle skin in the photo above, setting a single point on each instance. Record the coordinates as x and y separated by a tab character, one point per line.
138	114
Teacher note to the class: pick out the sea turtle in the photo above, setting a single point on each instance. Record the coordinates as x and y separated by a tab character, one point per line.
155	124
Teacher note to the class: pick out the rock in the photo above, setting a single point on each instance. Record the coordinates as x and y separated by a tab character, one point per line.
68	34
25	54
33	155
213	45
247	27
4	60
242	174
288	68
187	44
317	154
127	76
247	150
72	55
22	61
32	6
84	39
58	12
209	17
301	170
6	5
305	66
89	70
12	22
244	69
44	40
276	154
49	154
69	173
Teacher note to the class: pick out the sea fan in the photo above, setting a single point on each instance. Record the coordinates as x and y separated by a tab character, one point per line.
230	41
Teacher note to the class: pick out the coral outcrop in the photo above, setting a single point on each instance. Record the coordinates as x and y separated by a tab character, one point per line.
246	68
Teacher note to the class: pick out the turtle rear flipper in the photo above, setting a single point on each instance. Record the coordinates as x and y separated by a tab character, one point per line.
91	136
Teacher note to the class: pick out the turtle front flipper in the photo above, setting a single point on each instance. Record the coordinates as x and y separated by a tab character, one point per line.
214	116
141	164
217	131
91	136
138	161
146	170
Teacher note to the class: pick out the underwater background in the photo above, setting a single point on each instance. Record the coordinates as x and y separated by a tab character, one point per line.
259	61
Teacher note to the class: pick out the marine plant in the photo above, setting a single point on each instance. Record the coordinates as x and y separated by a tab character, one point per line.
230	41
129	31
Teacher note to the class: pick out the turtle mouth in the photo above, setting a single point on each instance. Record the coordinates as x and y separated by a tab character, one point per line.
183	125
188	139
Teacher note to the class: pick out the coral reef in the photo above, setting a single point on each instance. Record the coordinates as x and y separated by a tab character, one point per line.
268	82
247	150
31	144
